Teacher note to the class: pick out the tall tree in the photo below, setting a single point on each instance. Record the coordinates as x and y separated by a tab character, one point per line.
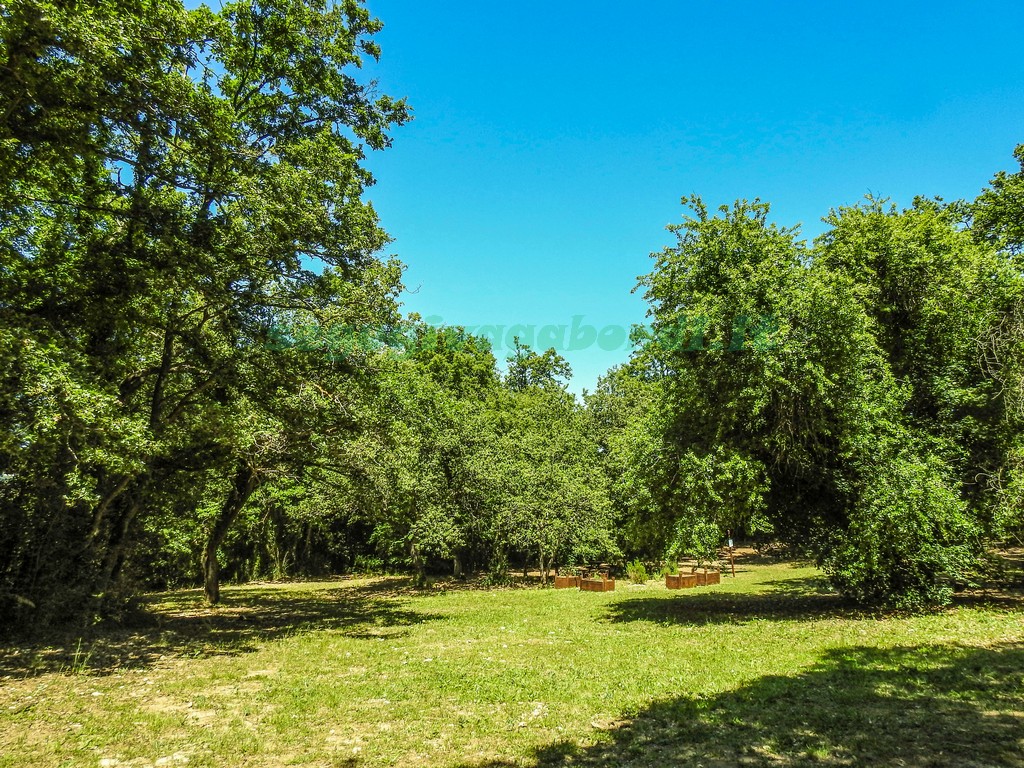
997	218
169	176
551	496
830	394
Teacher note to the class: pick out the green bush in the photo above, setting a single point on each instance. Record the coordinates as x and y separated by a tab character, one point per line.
908	541
637	572
668	567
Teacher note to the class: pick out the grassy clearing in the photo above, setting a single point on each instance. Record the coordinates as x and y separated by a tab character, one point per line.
766	669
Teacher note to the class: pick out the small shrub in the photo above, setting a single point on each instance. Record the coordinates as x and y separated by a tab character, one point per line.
637	572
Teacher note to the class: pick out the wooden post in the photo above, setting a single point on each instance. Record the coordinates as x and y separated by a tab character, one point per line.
732	561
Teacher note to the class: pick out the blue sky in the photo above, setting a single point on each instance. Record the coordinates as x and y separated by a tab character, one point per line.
552	141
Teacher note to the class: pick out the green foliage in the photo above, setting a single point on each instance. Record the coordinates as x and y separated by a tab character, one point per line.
667	567
636	572
909	539
997	220
497	574
167	175
188	244
696	539
873	344
528	369
996	214
544	469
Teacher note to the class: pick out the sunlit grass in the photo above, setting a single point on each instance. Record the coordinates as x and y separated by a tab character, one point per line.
767	668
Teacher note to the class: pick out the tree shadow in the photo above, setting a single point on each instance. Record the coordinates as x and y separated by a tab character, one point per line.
804	586
1003	599
907	706
800	599
180	624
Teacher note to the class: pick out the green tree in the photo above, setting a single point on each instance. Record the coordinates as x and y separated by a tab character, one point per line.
551	495
168	176
997	218
864	373
527	368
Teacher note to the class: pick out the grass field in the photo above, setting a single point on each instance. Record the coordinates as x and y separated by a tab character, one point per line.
765	669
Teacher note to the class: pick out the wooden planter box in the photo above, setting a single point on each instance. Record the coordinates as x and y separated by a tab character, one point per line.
567	582
680	580
597	585
706	579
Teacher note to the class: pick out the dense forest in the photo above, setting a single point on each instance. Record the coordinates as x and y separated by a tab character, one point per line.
207	374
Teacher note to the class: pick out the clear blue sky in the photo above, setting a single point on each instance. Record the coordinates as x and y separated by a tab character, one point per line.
553	140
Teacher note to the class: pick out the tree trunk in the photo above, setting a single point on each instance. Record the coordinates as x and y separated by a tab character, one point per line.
457	568
116	551
307	548
99	514
418	565
242	486
119	547
156	402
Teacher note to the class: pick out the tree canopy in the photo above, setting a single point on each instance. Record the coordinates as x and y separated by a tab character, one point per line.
834	394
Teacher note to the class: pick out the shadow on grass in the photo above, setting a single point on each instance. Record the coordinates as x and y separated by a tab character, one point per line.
909	706
180	624
807	598
803	599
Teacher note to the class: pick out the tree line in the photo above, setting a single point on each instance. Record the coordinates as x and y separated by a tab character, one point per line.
874	424
178	185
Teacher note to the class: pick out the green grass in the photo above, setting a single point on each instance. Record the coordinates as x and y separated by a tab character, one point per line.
766	669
